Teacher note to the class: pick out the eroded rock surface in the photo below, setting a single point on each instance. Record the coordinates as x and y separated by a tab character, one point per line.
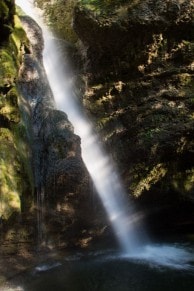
63	186
139	67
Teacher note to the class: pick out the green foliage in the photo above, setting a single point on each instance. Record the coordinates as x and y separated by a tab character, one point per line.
4	10
23	148
10	178
19	35
8	69
10	55
59	15
7	10
15	169
107	3
102	6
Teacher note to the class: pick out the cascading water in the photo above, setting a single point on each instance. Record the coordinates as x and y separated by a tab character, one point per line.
122	216
99	165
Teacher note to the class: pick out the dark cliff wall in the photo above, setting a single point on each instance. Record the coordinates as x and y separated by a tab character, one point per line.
138	72
137	65
139	69
45	189
65	216
140	75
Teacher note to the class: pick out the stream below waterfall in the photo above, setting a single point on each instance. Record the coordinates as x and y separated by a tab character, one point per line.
161	266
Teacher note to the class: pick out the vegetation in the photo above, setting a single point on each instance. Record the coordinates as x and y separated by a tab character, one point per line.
103	6
15	173
7	10
59	15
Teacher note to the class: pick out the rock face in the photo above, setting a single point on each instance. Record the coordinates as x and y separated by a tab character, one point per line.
58	15
62	184
132	35
7	9
139	65
15	173
16	177
46	196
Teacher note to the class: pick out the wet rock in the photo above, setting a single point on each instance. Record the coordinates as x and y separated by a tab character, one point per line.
15	172
110	45
7	9
139	71
62	184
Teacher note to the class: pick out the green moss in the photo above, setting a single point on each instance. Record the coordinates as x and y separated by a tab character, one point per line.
19	36
12	96
9	106
8	69
11	54
4	10
24	151
102	6
59	16
7	10
10	178
19	11
16	181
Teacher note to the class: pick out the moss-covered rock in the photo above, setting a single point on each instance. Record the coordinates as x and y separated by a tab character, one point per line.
7	11
59	15
15	173
139	69
65	217
11	178
110	46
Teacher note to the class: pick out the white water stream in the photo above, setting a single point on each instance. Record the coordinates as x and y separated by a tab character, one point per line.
98	163
125	223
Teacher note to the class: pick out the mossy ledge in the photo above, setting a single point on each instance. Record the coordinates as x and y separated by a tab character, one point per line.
16	181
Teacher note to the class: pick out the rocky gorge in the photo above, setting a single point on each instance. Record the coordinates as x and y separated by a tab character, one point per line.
43	178
134	64
139	72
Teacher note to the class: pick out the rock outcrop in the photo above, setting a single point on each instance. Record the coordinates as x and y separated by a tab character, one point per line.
16	177
16	183
7	9
138	71
139	65
45	189
65	216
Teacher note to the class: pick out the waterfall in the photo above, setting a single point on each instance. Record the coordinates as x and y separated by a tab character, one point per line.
123	217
